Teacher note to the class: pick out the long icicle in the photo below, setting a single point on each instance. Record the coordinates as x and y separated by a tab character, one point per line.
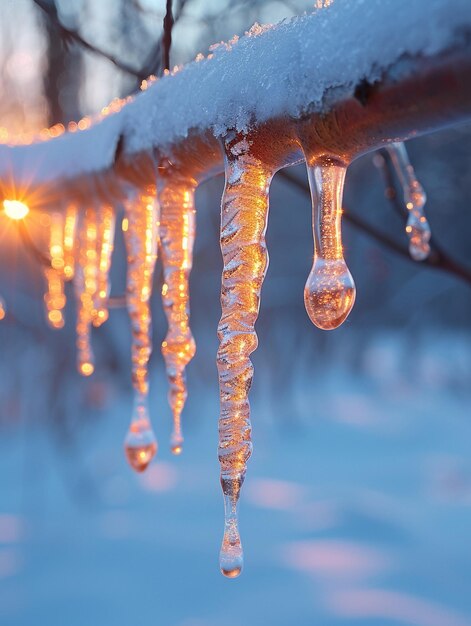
244	213
105	242
70	228
85	283
54	297
141	237
417	226
329	293
177	232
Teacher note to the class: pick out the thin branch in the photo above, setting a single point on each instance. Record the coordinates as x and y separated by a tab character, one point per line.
438	258
167	35
70	35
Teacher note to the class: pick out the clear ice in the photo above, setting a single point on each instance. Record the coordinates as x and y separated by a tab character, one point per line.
244	213
85	284
177	232
417	227
105	241
141	238
329	293
70	226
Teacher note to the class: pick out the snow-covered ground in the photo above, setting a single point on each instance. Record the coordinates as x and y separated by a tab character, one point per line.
356	508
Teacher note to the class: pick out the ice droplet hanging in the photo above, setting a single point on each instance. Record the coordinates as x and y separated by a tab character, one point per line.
244	213
177	231
417	226
141	238
329	293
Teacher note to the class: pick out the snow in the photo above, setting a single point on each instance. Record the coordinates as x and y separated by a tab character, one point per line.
355	510
307	63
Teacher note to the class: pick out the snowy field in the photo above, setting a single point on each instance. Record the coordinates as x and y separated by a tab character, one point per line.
356	508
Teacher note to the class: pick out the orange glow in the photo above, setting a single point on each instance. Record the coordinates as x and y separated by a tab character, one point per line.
329	293
70	224
15	209
3	311
85	283
177	226
139	457
86	369
54	298
141	239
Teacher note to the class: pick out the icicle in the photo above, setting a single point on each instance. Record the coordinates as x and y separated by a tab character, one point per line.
3	309
141	237
329	293
85	282
177	230
417	227
106	227
70	224
54	298
244	214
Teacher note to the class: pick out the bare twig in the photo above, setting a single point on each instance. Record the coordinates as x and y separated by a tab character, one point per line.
438	258
70	35
157	59
167	35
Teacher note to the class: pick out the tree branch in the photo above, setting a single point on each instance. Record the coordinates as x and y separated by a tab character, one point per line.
70	35
167	35
438	258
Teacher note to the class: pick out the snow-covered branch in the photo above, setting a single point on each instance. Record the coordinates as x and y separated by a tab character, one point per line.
346	79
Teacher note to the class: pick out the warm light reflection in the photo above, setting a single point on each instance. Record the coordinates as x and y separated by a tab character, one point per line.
141	239
70	224
177	232
105	243
85	283
15	209
244	214
329	293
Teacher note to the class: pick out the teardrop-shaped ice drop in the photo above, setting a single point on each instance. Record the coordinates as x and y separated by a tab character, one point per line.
329	293
176	443
231	556
140	444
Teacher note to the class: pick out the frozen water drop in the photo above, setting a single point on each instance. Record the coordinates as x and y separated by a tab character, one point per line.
86	368
329	294
231	557
176	445
417	227
140	444
105	240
